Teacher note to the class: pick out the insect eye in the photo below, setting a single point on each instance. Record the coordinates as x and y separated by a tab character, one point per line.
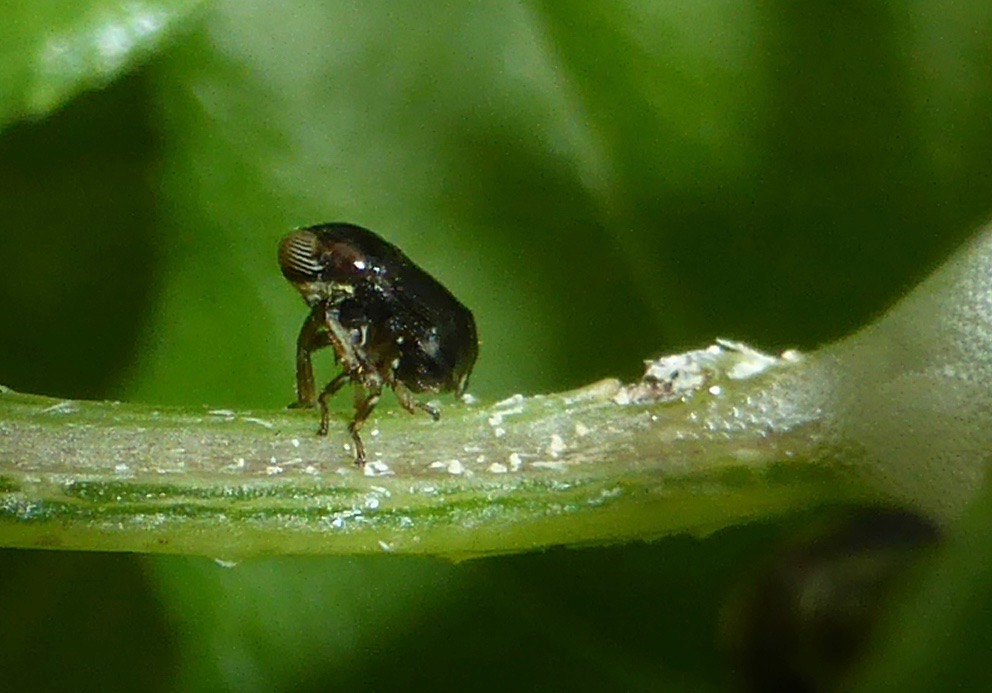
299	257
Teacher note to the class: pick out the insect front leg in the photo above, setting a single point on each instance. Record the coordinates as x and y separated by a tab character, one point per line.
312	338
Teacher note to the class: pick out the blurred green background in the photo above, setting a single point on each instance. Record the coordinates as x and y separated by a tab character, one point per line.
599	182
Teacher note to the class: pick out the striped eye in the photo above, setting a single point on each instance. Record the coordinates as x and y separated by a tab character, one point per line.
299	255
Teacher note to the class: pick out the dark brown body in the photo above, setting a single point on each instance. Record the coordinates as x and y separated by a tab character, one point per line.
388	321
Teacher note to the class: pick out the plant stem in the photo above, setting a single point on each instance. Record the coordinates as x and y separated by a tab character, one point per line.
583	467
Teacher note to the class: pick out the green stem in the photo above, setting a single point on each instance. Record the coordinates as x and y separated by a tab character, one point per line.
900	412
581	467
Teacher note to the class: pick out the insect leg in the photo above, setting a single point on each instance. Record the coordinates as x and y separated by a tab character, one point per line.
411	403
311	338
363	408
328	392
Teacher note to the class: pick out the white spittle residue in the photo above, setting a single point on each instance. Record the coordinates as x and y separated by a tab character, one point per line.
499	432
497	468
515	461
372	502
581	430
715	390
295	442
121	468
622	397
273	460
556	446
240	462
224	563
480	459
222	412
455	467
310	469
438	464
273	469
374	432
557	466
469	399
496	419
381	489
385	546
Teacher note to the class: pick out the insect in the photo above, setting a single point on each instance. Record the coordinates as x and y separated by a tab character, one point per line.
389	323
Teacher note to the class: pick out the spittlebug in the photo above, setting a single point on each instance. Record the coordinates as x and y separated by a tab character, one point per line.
389	323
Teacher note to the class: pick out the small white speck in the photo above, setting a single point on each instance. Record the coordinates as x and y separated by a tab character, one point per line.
223	563
654	417
240	462
347	447
495	420
469	399
377	468
295	442
381	489
273	469
557	466
499	432
260	422
515	461
455	467
63	407
311	470
581	430
121	468
510	401
400	340
385	545
715	390
273	460
497	468
374	432
372	503
438	464
221	412
556	446
359	264
480	459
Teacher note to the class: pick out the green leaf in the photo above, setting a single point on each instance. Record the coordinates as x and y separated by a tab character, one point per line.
50	51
